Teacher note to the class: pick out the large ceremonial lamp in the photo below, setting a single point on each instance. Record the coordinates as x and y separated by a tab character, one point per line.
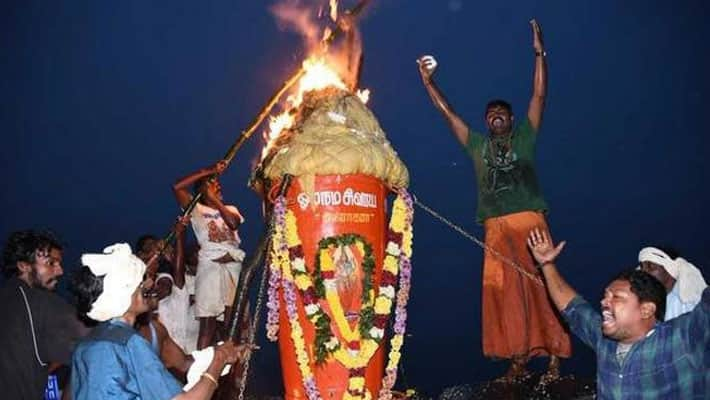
334	261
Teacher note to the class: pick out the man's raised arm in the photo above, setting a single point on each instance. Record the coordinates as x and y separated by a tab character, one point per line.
537	102
545	254
427	66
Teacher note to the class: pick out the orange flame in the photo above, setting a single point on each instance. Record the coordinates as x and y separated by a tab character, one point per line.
318	75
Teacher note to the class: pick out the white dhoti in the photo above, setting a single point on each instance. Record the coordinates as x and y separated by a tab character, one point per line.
215	287
215	283
178	316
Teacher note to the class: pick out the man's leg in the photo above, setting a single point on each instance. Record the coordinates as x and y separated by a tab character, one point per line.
517	369
224	325
553	371
209	302
208	326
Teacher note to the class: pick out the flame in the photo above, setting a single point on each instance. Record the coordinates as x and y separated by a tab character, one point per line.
318	75
334	10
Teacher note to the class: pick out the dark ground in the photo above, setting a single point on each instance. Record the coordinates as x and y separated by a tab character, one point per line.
566	388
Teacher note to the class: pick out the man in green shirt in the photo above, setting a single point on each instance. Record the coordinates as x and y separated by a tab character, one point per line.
518	318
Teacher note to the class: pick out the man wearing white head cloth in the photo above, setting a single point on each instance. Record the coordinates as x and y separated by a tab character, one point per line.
684	282
114	361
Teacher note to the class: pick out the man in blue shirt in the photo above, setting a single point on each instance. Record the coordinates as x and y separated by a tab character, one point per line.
638	355
114	361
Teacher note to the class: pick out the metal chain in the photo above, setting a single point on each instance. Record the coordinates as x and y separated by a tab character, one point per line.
480	243
252	332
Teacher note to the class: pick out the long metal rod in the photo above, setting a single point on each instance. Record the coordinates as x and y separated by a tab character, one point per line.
248	270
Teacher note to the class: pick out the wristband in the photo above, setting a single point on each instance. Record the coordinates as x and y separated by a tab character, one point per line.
210	378
540	53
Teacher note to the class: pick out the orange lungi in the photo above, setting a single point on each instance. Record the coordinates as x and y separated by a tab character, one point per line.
519	318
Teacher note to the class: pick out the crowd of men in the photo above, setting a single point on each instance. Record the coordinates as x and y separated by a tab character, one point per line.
651	337
143	325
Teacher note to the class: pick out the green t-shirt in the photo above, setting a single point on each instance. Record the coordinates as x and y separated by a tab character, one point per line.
505	171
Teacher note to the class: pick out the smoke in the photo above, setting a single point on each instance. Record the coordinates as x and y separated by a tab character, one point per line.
293	15
313	22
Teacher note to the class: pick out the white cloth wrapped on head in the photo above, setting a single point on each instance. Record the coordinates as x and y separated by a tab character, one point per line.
122	272
203	359
689	279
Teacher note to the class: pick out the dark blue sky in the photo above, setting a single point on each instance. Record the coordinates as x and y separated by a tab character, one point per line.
104	104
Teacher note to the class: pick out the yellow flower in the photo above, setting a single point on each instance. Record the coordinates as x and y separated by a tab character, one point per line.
296	329
360	246
397	341
356	382
298	341
368	348
391	265
394	357
391	364
397	222
291	230
302	358
305	371
326	261
286	271
383	305
344	358
303	282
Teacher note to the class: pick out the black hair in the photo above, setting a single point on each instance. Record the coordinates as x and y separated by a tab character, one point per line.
87	287
499	103
140	243
22	246
198	185
647	288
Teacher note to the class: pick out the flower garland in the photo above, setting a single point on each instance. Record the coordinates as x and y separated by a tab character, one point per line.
400	313
288	266
278	249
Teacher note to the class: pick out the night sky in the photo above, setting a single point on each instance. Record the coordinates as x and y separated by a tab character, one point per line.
105	104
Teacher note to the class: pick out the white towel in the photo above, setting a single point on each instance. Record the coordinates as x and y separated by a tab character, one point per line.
203	359
689	279
122	272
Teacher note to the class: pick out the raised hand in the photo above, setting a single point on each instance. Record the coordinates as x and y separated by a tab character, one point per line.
537	36
181	224
229	353
427	66
167	249
542	248
219	167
